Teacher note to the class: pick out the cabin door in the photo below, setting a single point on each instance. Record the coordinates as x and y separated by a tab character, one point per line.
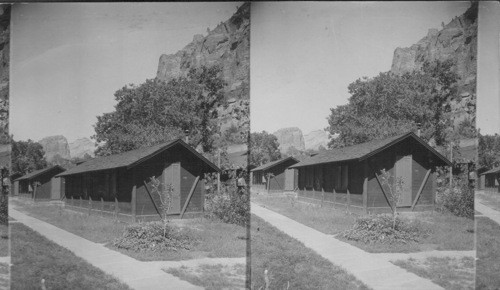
172	175
404	171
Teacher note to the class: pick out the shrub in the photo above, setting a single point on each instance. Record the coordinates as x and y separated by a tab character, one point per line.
229	206
4	210
459	199
379	229
150	237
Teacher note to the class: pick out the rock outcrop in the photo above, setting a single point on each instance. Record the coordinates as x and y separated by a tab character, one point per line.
80	147
290	137
4	72
55	145
227	45
313	140
456	41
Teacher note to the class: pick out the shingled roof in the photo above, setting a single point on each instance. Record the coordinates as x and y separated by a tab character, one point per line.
364	150
39	172
494	170
273	163
131	158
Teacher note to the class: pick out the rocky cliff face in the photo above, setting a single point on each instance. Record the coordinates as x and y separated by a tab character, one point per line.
4	71
290	137
313	140
80	147
457	41
55	145
227	45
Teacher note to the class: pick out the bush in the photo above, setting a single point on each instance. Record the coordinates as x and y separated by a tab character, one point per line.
4	210
378	229
229	206
459	199
149	237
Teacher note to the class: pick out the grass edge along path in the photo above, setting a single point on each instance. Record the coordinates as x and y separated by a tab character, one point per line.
488	254
34	258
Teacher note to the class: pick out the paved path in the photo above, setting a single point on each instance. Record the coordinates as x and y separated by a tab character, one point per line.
136	274
375	272
487	211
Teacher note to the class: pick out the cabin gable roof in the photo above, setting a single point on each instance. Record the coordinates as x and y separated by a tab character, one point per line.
274	163
39	172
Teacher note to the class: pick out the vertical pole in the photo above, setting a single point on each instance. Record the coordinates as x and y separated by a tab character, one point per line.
322	196
334	197
218	173
134	202
102	206
451	167
90	204
365	187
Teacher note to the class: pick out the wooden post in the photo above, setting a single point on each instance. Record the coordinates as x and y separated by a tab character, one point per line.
72	201
334	197
81	202
365	188
116	207
348	201
102	206
90	204
134	203
322	196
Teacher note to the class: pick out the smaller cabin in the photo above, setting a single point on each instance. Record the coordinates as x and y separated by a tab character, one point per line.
350	177
40	184
491	180
275	176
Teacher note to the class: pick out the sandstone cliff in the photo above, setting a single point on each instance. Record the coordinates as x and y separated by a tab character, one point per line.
457	41
290	137
313	140
227	45
55	145
80	147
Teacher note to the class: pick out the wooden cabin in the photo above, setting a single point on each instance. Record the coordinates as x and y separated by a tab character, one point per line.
40	184
120	184
491	180
350	177
274	176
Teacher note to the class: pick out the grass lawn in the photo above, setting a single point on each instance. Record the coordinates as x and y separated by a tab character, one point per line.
488	254
4	240
491	199
213	238
213	277
290	265
449	273
4	276
447	232
35	258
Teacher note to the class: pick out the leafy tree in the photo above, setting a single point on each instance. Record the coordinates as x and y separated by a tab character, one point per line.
389	104
156	111
27	156
489	151
264	148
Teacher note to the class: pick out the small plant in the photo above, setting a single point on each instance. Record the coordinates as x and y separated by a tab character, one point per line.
382	229
395	186
458	200
164	191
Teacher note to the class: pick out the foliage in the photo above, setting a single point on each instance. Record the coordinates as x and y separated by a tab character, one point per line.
389	104
229	205
380	229
489	151
264	148
165	192
27	156
156	111
395	189
152	236
459	199
4	210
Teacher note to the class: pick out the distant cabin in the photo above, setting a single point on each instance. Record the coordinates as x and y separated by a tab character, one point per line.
490	180
274	176
349	177
120	184
40	184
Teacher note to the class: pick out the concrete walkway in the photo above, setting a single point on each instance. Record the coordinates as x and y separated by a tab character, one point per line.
375	272
134	273
487	211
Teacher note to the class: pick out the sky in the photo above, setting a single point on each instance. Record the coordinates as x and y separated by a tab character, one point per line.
68	59
304	55
488	84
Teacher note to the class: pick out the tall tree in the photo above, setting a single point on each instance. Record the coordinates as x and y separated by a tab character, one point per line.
156	111
489	151
27	156
264	148
389	104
